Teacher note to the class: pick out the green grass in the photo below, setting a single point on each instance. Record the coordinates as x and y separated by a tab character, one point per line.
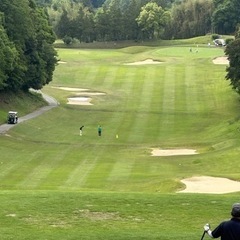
57	185
21	101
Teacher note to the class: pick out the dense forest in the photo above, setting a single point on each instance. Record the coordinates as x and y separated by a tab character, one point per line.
27	56
113	20
28	29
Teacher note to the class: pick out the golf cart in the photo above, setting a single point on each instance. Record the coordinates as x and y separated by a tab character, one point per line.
12	117
219	42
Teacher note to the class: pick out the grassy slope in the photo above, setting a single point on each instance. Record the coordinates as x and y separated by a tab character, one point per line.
23	102
104	188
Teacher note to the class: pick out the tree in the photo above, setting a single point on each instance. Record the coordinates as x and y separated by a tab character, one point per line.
83	25
226	16
115	20
109	22
233	71
8	56
130	27
30	41
152	20
191	18
41	59
101	24
64	26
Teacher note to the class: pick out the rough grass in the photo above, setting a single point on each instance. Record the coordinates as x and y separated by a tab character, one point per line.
58	185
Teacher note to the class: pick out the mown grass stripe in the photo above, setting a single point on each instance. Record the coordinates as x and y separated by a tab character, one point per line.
136	93
191	91
92	72
168	104
98	79
109	77
121	170
123	119
145	105
42	171
78	177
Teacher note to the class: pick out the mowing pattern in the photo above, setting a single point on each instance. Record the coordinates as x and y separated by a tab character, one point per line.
174	104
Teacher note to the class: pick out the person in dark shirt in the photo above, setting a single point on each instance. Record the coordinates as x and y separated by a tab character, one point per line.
81	130
227	230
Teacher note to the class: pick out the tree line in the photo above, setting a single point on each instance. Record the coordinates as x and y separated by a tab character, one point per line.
113	20
27	55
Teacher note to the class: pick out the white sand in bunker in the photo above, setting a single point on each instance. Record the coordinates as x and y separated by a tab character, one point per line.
206	184
221	60
71	89
82	95
79	101
145	62
91	93
172	152
201	184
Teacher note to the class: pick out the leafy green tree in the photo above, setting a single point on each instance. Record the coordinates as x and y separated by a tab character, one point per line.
83	25
89	26
152	20
115	19
233	71
226	16
8	56
101	24
41	59
191	18
28	29
131	29
63	26
19	28
109	22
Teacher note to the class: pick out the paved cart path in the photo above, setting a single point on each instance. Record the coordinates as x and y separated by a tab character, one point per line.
51	104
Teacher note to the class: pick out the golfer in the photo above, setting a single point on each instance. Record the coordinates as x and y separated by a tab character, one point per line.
81	130
99	131
227	230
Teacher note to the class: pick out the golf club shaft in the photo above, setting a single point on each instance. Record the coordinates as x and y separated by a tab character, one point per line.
203	235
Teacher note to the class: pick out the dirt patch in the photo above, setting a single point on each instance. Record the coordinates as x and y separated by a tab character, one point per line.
206	184
221	60
98	216
172	152
145	62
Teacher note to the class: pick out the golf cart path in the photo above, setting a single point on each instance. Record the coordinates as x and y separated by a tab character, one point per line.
52	102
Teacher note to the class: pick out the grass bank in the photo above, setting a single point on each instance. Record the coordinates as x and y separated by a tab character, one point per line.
22	102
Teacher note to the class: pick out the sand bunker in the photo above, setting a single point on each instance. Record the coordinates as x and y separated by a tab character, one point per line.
82	97
205	184
79	101
172	152
91	93
145	62
71	89
202	184
221	60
